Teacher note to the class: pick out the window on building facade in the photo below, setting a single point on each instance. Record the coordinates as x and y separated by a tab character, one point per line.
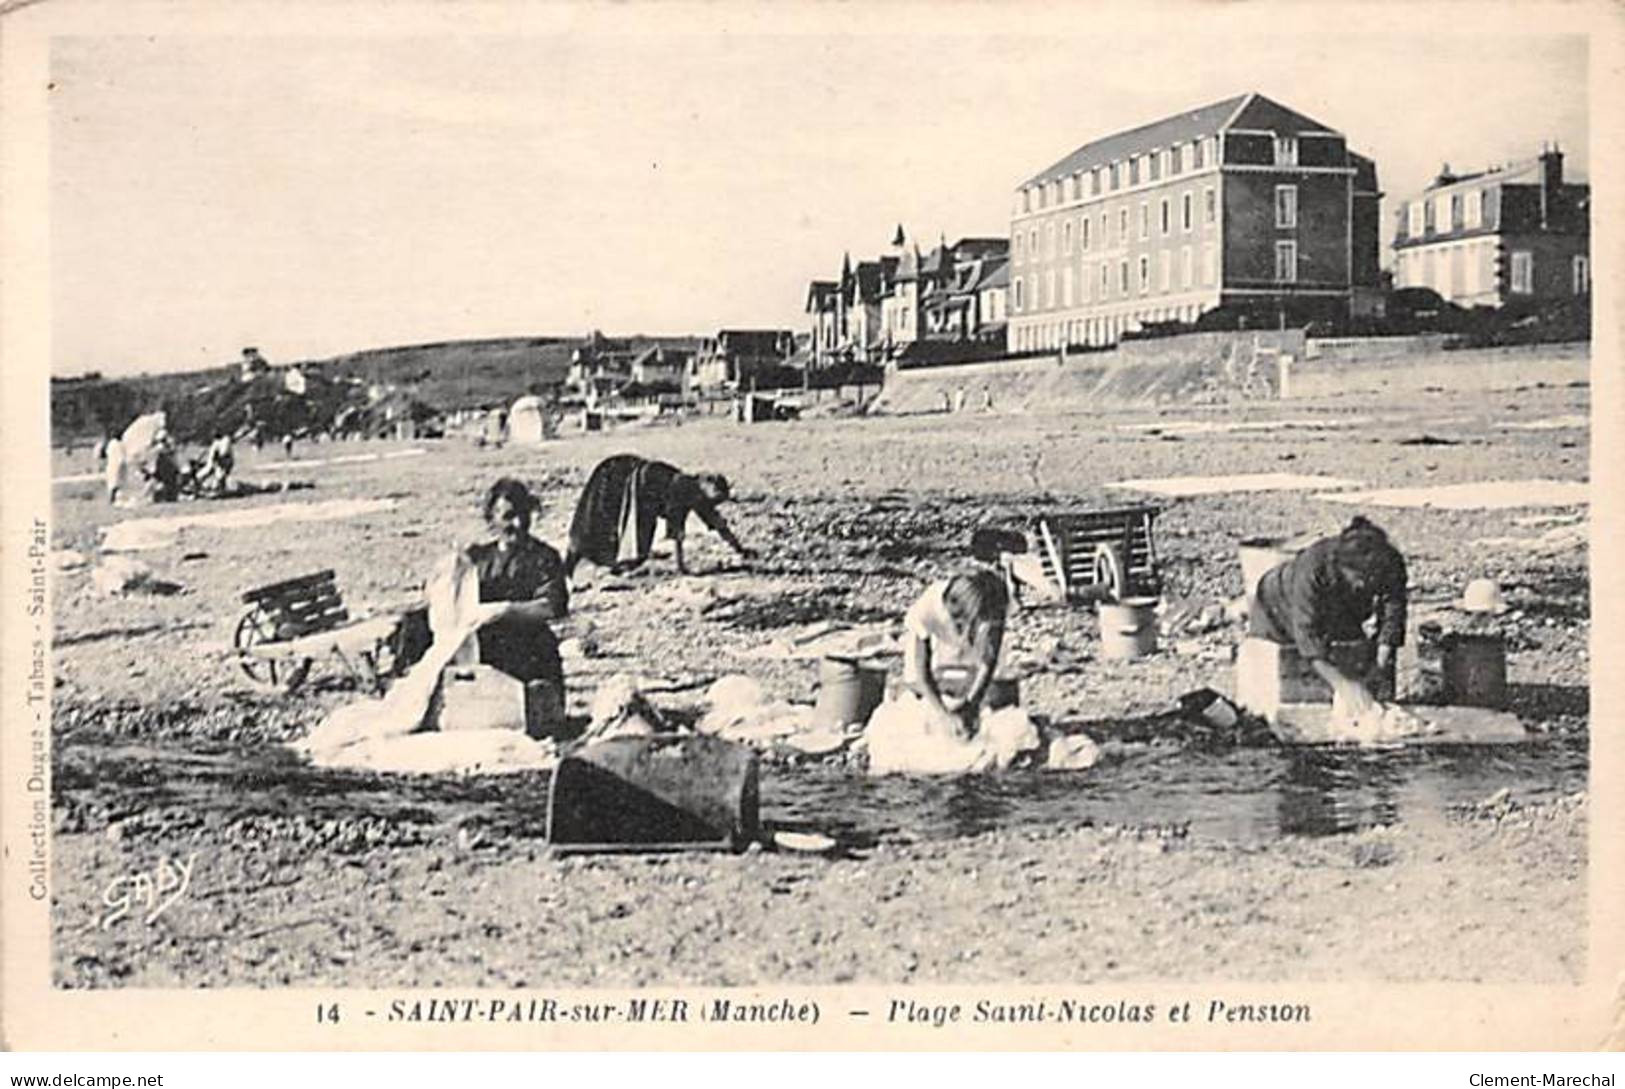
1105	280
1122	278
1072	188
1210	203
1457	219
1582	274
1164	278
1415	220
1196	154
1154	166
1094	182
1167	216
1473	212
1032	244
1066	237
1018	299
1043	195
1523	272
1015	247
1212	144
1286	151
1117	175
1083	233
1176	159
1185	267
1122	226
1145	220
1185	214
1049	239
1441	213
1209	263
1286	205
1026	200
1134	170
1286	262
1145	273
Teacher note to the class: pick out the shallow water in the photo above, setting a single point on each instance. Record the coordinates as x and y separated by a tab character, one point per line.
1240	795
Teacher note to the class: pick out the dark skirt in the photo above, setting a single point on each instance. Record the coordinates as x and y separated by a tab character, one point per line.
595	530
526	650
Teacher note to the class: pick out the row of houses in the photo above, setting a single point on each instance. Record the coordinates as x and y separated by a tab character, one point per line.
1244	206
908	303
606	367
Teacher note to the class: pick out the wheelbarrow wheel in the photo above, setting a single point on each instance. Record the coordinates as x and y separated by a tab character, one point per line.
1110	575
256	628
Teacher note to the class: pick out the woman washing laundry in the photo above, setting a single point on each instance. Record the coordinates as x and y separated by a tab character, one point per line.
1326	594
521	588
941	719
614	523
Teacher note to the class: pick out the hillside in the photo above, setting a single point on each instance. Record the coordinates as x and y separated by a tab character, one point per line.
446	376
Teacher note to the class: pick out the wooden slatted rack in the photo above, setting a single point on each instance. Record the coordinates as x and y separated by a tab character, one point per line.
1071	547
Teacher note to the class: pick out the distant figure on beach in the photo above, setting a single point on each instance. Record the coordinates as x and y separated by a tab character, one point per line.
614	523
1325	594
947	401
987	398
164	474
214	476
959	399
287	444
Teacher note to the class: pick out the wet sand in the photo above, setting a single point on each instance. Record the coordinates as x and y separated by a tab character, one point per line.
306	877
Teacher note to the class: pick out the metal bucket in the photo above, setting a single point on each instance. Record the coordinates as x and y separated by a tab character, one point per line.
668	792
847	692
1128	628
1475	669
1260	555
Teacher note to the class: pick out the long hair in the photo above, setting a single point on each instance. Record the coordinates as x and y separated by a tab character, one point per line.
977	602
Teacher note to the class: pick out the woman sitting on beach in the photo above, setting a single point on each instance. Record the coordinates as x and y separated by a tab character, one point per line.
1325	595
614	523
941	719
521	588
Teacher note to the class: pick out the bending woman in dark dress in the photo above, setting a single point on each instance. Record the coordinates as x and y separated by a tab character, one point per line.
1326	594
528	577
614	523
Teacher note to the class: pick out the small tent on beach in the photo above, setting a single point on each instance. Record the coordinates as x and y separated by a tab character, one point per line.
530	421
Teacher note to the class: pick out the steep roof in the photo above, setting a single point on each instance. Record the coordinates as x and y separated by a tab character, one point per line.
1241	111
995	273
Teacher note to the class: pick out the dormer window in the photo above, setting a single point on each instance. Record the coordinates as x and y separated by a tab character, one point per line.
1286	151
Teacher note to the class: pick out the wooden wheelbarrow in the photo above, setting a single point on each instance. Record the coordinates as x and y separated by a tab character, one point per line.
289	625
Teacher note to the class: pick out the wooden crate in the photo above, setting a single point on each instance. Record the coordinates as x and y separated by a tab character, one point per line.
1271	678
482	697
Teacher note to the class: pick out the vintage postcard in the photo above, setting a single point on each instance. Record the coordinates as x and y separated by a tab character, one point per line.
729	526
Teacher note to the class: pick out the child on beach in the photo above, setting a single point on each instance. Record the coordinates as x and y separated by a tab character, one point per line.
940	719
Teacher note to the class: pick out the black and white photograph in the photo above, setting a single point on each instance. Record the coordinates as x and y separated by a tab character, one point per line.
635	520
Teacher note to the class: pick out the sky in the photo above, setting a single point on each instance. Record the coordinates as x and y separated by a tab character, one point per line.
317	195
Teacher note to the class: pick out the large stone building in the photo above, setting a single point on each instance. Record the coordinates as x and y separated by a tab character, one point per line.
1244	204
1508	234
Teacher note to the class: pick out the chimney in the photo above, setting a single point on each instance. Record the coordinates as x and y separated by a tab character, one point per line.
1551	180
